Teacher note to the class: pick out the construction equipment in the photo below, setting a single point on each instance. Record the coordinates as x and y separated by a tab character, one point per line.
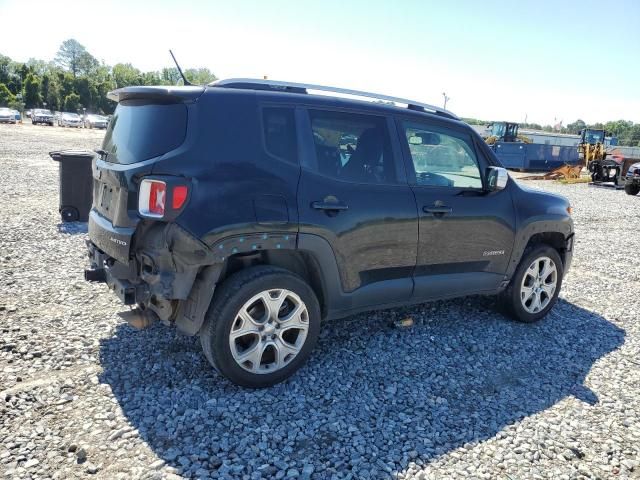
568	173
593	154
518	152
505	132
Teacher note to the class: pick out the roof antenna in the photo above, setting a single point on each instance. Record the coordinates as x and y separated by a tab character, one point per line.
184	79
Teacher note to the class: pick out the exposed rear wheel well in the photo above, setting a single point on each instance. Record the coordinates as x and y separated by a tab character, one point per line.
294	261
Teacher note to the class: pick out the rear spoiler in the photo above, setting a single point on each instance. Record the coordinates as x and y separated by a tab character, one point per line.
160	94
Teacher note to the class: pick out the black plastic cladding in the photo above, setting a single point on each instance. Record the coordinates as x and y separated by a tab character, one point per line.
252	243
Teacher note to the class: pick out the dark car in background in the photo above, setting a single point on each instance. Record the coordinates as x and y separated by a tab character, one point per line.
42	116
632	180
248	211
95	121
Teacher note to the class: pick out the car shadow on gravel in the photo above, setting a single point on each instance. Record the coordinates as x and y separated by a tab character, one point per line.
371	399
73	228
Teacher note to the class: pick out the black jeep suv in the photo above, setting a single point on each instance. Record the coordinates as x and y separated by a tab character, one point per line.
248	211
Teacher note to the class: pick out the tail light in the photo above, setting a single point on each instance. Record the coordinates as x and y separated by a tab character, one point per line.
162	199
180	193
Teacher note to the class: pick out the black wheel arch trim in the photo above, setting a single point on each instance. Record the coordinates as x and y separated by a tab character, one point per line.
547	224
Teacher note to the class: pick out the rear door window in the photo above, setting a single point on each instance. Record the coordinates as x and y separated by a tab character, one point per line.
139	131
353	147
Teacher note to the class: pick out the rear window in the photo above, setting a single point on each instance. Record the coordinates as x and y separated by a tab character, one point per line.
140	131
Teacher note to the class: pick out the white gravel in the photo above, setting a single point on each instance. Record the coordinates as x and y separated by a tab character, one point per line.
464	393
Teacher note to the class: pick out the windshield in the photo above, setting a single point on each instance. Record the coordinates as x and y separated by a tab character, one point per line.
42	112
595	136
139	131
498	129
75	116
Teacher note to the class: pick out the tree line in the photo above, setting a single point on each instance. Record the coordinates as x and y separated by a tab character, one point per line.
76	80
627	132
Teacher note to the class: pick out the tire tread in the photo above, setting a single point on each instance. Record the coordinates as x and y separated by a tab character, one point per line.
225	294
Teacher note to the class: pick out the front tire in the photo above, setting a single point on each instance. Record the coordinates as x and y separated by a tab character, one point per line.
535	285
261	326
632	189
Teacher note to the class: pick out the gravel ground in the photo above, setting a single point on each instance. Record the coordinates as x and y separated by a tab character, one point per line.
464	393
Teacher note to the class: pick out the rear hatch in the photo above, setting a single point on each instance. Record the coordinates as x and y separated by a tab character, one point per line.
148	124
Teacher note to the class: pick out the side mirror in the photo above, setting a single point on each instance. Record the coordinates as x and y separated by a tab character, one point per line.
497	178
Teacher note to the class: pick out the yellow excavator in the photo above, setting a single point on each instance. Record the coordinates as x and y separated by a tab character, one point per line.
505	132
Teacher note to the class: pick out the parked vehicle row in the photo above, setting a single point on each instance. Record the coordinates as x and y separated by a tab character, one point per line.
9	115
62	119
248	211
67	119
42	116
96	121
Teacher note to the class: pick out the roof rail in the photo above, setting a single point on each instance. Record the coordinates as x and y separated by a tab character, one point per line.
292	87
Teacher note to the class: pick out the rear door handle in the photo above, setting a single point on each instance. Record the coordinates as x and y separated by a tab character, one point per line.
438	211
329	206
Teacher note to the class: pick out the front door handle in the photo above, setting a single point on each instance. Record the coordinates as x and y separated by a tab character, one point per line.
438	211
330	206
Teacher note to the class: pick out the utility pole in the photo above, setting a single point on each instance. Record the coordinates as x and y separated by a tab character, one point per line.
446	99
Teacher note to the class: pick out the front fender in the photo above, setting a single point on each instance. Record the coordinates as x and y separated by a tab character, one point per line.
549	225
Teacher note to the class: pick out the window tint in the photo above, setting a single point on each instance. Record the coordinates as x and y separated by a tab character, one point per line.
352	147
280	133
139	131
441	159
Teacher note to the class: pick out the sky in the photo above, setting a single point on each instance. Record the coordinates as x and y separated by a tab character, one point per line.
543	61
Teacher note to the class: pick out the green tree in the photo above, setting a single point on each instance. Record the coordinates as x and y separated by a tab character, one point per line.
576	126
125	75
170	76
73	56
6	69
103	104
72	102
6	96
16	105
199	76
88	64
76	79
39	67
50	91
24	71
32	96
86	88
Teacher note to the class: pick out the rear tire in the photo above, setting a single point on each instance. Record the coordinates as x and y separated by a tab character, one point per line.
535	285
261	326
631	189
